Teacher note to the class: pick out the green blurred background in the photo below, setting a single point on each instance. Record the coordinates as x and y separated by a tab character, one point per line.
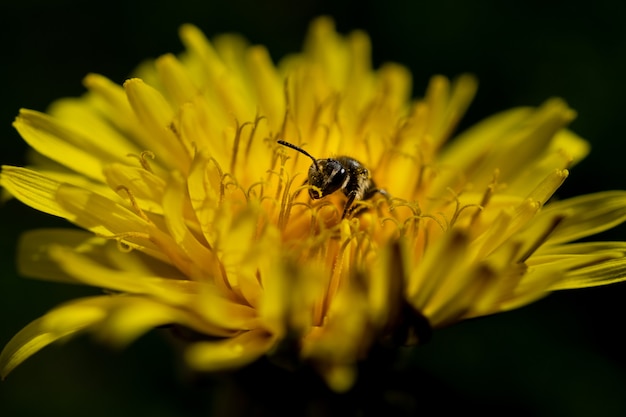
563	356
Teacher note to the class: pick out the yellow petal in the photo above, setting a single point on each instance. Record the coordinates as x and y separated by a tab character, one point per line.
506	225
177	220
327	49
146	187
33	251
214	309
63	321
508	142
586	215
172	291
228	313
269	85
130	317
229	353
211	66
97	213
568	142
60	143
599	273
82	115
34	259
175	78
435	280
206	191
242	248
534	285
460	296
112	99
583	248
548	186
157	118
386	286
33	189
447	104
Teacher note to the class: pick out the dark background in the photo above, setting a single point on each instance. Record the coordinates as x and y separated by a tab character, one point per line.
561	356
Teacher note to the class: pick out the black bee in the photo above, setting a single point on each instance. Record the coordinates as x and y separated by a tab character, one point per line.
340	173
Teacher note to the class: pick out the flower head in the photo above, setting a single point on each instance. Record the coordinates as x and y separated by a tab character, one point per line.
196	188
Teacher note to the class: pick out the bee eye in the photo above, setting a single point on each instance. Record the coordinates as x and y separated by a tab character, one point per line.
334	177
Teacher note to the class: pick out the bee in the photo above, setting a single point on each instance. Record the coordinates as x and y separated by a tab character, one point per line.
340	173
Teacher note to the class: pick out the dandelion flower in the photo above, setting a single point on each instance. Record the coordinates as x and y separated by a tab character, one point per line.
192	215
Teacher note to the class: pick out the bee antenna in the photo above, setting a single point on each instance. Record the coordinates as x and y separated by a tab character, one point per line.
294	147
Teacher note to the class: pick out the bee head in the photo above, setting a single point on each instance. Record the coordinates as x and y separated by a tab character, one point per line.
325	177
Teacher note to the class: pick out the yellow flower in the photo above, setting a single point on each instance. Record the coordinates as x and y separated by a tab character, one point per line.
194	216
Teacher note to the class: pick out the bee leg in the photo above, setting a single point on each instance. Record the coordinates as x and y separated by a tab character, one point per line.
346	208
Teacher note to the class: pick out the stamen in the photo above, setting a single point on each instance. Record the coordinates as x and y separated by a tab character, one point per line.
468	206
298	190
303	211
331	206
187	146
142	158
302	151
222	177
457	205
119	238
233	184
396	222
255	125
365	246
144	162
133	202
379	203
123	246
126	235
337	267
279	175
413	206
317	224
238	130
436	220
249	193
489	191
285	205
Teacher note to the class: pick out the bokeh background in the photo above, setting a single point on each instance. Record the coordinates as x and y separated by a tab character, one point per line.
563	356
